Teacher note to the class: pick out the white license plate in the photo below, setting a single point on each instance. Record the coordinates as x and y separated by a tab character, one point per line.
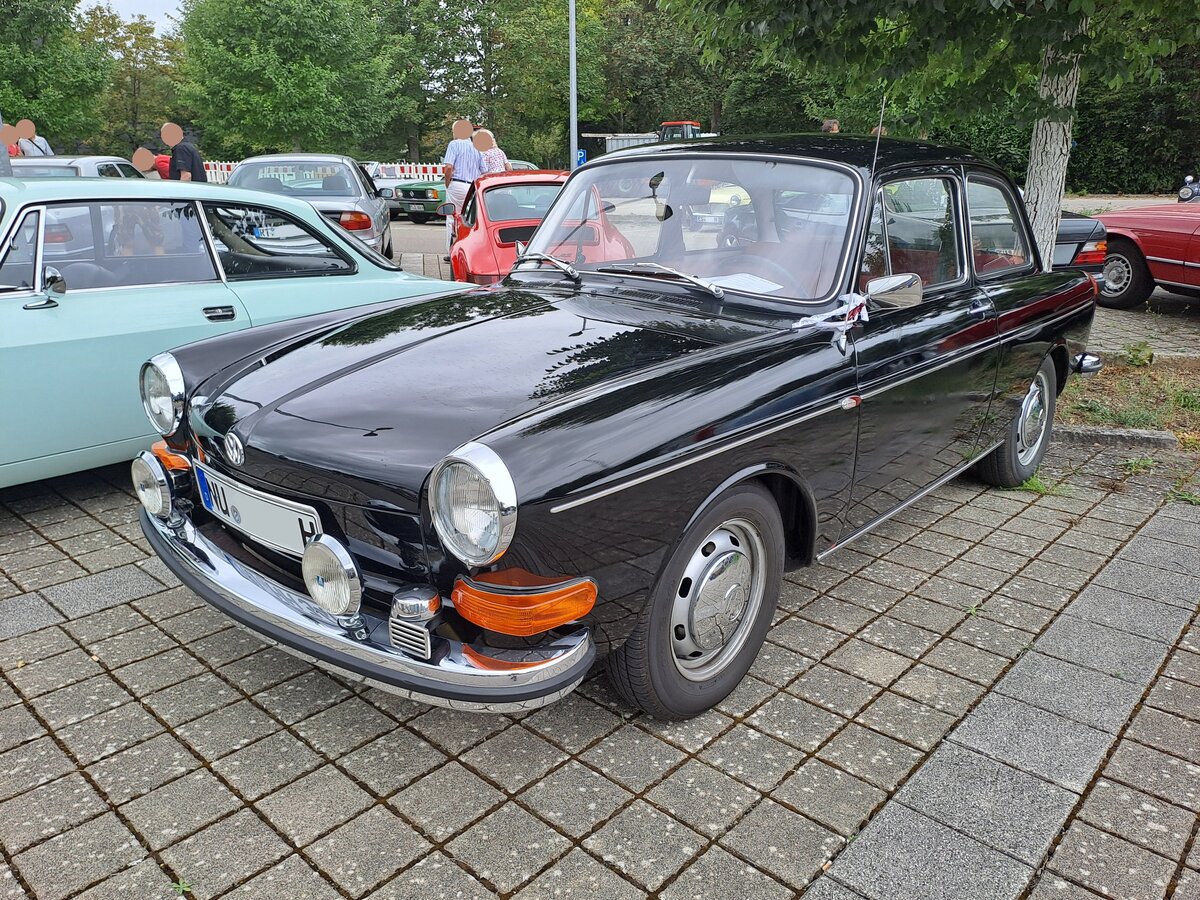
416	207
273	521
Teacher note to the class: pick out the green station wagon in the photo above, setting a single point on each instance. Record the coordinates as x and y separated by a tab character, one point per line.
97	275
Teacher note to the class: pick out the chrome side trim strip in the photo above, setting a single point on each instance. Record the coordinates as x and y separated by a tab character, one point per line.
1175	262
1190	287
928	489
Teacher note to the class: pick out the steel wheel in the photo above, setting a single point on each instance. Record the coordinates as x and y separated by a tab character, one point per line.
1033	419
717	600
1118	273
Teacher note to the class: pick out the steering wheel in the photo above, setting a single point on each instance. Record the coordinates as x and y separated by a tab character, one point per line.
748	261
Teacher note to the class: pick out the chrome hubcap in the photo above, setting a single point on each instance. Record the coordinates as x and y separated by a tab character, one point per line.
1032	422
1117	274
717	600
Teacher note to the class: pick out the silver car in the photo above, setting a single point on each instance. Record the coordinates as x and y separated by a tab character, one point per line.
73	166
337	186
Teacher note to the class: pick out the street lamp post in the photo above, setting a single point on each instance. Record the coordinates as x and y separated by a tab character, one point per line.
574	160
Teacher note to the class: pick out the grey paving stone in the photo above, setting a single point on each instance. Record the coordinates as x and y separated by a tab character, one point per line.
109	733
227	729
870	756
782	842
80	701
175	810
633	758
836	691
906	720
1155	772
47	810
224	647
302	697
453	731
256	770
434	876
51	574
131	646
17	725
748	695
1114	867
1177	697
389	844
839	615
27	648
993	636
142	768
938	689
293	878
158	672
1138	817
223	854
64	865
391	762
446	800
25	613
580	876
778	665
797	638
100	591
1052	887
874	664
1034	740
263	669
926	614
703	797
574	798
1104	649
825	888
191	699
1146	581
144	879
795	721
344	726
1169	556
317	803
97	627
508	847
1172	734
573	723
52	673
1084	695
990	802
830	796
29	765
161	606
751	756
1128	612
1184	666
718	875
192	626
1016	613
1188	886
903	854
645	844
514	758
867	594
691	735
899	637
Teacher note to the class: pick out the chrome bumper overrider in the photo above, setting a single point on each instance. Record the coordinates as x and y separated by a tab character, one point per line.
291	621
1087	364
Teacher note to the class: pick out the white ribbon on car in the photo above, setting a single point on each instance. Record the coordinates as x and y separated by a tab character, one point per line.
850	311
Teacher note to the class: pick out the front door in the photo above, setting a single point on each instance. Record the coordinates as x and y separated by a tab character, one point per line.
926	371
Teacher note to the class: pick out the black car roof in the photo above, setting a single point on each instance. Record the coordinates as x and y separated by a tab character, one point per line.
849	149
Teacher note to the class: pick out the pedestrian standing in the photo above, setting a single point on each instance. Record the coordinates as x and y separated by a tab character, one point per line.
494	159
186	162
462	164
29	142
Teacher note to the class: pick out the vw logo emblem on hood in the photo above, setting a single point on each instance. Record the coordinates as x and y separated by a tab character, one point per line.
234	451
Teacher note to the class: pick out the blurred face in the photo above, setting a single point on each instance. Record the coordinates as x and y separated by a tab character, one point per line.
483	140
462	130
171	134
25	129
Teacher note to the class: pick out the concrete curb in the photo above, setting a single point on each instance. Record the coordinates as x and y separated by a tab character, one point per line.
1090	435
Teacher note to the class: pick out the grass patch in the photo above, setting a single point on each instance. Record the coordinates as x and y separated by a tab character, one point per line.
1138	465
1163	395
1035	485
1179	495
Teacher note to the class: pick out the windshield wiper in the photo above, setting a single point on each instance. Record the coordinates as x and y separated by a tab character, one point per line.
561	264
634	267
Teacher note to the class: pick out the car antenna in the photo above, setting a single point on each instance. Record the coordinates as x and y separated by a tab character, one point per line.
878	134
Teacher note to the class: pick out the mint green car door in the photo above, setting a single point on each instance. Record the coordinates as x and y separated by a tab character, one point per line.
139	279
282	267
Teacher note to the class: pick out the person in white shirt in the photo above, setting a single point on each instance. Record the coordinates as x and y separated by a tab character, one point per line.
462	165
29	142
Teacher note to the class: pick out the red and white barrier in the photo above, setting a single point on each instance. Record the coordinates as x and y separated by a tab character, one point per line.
219	171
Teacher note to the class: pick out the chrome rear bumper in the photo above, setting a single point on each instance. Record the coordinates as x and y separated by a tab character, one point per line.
456	676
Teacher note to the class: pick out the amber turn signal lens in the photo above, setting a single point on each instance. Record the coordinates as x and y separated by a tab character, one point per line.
495	603
171	461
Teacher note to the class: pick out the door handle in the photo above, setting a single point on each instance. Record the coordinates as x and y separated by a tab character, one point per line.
47	303
220	313
980	309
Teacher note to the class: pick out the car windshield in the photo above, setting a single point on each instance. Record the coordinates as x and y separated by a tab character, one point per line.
44	171
519	201
766	227
306	179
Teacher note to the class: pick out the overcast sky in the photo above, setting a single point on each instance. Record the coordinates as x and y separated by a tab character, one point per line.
155	10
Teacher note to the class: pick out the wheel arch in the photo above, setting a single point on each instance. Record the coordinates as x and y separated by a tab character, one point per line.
1062	364
1117	232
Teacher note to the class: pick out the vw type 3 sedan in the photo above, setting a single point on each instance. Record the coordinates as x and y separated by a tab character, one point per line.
621	448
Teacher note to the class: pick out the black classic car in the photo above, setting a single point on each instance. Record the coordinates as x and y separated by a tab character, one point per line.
620	449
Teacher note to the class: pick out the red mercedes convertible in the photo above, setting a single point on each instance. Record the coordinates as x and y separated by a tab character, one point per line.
1153	245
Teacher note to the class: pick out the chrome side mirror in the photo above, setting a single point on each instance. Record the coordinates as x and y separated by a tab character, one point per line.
53	281
445	209
520	247
385	194
895	290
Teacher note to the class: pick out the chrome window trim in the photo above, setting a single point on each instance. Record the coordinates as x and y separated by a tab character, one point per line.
958	202
10	233
1031	258
208	240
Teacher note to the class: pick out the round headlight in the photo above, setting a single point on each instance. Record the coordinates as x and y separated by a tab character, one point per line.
331	576
150	483
1185	193
163	392
474	504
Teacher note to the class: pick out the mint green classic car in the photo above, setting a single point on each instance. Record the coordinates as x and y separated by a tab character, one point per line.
97	275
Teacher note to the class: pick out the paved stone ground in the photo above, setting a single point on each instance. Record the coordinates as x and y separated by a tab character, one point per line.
143	741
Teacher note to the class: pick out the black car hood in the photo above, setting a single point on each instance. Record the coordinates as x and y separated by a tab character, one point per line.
378	402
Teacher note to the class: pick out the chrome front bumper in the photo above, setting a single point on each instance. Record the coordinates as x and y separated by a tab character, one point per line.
453	677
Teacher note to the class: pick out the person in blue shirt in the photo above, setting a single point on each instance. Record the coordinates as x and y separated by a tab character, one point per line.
462	165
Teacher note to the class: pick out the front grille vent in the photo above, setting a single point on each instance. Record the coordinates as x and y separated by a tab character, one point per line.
410	636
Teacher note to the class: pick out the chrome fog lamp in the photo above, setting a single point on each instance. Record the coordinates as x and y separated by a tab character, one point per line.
150	483
474	504
162	389
331	576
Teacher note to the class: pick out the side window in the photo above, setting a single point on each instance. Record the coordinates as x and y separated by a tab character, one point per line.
468	208
129	171
875	258
920	227
108	170
19	255
140	243
998	242
255	242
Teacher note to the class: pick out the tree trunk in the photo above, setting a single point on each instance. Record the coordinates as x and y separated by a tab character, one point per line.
414	146
1050	145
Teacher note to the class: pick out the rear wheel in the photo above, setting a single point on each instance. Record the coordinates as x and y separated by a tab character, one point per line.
709	611
1027	436
1127	281
419	218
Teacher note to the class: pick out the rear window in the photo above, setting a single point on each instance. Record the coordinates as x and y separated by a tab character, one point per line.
519	201
299	179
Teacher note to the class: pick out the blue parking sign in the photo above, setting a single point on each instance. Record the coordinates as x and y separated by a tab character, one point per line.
580	156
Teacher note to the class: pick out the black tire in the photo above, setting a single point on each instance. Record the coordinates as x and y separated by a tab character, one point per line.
390	252
647	670
1127	281
1011	464
419	218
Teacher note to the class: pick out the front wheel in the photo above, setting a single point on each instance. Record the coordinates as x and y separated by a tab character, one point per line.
418	218
709	611
1127	281
1028	435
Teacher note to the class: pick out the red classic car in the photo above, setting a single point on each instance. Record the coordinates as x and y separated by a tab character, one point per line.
1153	245
500	210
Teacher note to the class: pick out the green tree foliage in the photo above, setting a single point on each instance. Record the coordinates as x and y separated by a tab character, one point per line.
285	75
47	73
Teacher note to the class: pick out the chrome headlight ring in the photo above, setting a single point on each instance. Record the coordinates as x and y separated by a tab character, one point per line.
481	462
165	370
